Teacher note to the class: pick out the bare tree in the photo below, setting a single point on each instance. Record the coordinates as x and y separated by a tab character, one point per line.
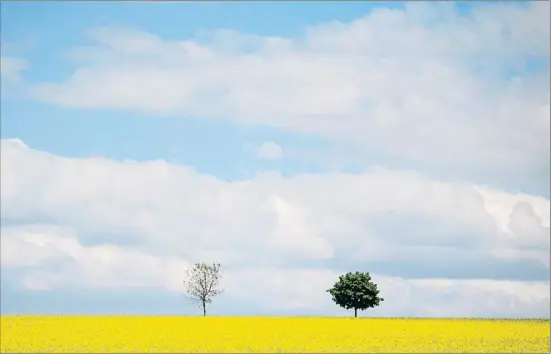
202	283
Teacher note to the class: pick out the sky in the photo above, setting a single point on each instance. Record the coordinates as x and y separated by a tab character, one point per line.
291	142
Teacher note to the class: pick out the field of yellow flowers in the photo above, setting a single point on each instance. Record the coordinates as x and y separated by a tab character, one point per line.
123	334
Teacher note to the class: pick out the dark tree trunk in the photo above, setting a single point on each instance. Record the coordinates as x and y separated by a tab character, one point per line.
204	309
355	312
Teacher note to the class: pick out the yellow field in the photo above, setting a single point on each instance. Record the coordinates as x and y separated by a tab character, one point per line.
124	334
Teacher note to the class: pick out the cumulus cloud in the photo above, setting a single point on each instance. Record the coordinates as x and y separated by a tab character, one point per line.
268	230
54	259
426	83
415	297
269	150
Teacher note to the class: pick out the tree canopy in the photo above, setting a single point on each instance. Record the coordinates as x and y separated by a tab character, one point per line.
355	291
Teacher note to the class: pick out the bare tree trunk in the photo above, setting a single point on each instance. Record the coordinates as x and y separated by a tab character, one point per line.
355	312
204	309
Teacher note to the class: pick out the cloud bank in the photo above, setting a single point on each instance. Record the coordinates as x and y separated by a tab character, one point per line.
427	83
428	87
100	223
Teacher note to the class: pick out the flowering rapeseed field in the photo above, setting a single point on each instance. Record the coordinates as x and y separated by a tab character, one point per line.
124	334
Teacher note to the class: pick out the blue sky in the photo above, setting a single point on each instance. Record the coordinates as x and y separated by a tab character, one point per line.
291	141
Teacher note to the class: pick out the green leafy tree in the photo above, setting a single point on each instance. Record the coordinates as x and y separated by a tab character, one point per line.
355	291
202	284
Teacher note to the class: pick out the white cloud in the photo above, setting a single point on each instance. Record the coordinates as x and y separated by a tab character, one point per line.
162	203
11	68
41	247
421	84
414	297
55	259
160	217
424	83
269	150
